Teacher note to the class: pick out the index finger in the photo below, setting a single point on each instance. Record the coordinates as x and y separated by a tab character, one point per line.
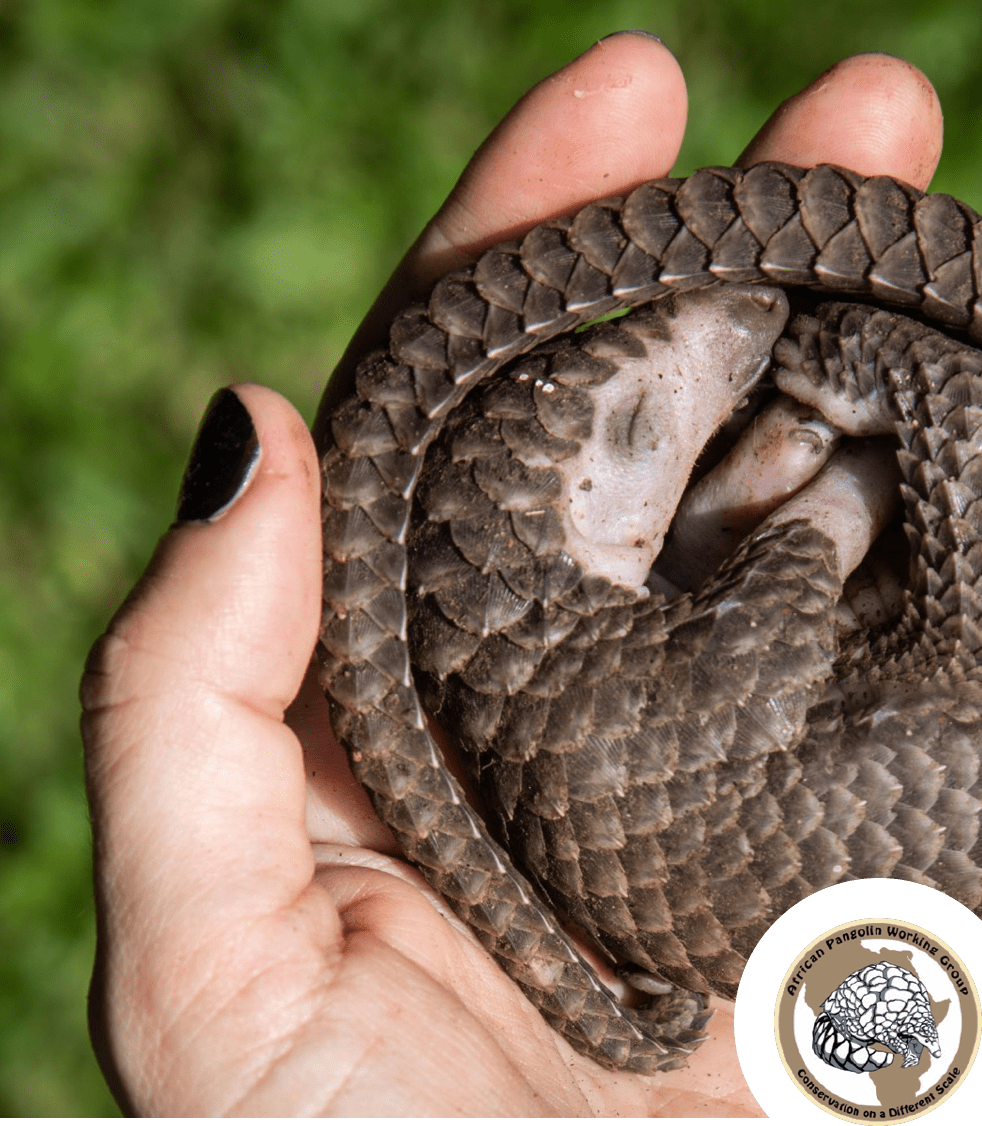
604	123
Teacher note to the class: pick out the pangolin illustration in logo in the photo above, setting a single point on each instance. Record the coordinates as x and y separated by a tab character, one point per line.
880	1003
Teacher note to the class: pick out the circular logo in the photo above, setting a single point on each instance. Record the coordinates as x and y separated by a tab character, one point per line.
873	1018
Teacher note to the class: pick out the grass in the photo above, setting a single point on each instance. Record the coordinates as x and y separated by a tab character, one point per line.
206	190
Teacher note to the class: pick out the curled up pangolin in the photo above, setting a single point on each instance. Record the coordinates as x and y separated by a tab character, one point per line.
669	758
879	1004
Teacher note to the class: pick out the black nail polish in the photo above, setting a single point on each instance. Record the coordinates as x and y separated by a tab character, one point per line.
222	462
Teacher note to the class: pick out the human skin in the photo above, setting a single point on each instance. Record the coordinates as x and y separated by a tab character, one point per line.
262	949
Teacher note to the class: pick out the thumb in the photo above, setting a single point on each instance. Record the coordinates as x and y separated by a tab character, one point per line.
196	785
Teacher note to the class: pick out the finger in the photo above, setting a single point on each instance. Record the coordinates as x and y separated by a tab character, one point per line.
609	120
195	783
875	114
339	811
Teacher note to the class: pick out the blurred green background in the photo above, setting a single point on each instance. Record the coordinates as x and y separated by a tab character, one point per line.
196	191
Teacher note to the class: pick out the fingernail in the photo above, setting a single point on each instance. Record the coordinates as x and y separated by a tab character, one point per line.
633	31
223	460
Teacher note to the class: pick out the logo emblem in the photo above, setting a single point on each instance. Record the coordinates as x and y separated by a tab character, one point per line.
874	1018
877	1019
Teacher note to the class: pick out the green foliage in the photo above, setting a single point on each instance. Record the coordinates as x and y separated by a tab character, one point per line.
204	190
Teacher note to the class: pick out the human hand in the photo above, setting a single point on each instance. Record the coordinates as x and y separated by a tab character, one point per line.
262	949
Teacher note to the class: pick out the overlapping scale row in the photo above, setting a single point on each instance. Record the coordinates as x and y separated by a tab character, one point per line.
824	228
903	775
